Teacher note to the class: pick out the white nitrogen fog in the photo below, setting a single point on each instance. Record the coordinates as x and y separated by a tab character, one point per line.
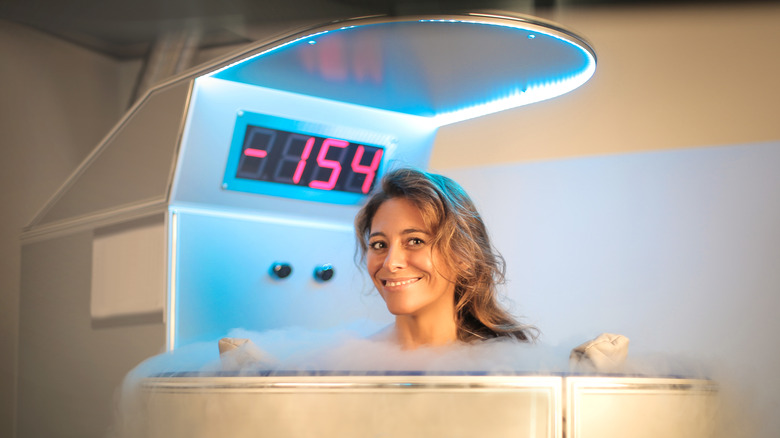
350	348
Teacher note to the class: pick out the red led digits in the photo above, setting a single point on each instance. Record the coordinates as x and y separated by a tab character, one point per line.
292	158
257	153
304	157
253	158
369	171
305	160
258	135
334	165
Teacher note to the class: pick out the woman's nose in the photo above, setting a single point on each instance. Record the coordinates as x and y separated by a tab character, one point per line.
395	259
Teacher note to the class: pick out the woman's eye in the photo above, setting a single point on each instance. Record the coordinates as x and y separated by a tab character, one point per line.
416	241
376	245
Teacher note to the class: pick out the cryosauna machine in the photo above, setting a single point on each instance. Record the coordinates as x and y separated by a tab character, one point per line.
225	198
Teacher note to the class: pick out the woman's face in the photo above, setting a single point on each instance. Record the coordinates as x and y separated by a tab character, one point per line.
406	269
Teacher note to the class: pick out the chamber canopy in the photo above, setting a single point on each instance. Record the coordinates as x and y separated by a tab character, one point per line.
445	69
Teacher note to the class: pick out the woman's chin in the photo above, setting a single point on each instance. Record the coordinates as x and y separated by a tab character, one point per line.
400	309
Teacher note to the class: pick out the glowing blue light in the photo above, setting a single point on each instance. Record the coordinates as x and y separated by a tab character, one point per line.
517	98
534	93
312	42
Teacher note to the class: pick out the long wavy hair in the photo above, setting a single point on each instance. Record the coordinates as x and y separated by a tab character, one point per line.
462	239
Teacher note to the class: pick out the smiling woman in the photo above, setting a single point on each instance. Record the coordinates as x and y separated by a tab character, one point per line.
428	253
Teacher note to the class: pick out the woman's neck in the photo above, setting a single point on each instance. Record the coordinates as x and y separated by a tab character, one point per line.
411	332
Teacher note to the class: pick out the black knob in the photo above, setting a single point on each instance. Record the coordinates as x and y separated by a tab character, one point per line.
280	270
324	273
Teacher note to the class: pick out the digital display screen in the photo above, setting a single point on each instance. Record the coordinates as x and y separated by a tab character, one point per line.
306	160
320	163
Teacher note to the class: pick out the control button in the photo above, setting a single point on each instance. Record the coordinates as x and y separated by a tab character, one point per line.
280	270
324	273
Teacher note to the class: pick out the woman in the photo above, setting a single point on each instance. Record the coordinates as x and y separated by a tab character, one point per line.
429	256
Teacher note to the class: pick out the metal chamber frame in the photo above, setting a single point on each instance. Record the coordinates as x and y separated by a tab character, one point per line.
400	405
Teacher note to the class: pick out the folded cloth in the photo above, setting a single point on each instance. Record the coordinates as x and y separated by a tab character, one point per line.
237	353
605	354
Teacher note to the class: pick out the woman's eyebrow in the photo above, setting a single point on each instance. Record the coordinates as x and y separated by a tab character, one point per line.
406	231
414	230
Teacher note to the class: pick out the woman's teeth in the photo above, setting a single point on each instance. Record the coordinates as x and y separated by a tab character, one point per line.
400	283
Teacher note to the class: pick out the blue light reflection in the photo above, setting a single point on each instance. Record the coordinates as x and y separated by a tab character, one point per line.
445	70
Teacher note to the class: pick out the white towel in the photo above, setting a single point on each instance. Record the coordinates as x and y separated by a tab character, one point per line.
237	354
605	354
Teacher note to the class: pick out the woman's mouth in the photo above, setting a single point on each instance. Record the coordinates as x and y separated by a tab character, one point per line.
399	282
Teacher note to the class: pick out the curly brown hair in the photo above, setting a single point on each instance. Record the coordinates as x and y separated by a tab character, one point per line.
461	237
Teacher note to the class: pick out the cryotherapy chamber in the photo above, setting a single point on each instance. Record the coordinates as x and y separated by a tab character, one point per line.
225	199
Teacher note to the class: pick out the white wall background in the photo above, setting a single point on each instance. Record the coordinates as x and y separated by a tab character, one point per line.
667	78
677	250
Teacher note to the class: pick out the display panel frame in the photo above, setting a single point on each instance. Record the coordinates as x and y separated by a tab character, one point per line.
353	135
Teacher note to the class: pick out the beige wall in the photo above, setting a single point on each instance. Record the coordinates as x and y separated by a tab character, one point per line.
56	102
666	78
